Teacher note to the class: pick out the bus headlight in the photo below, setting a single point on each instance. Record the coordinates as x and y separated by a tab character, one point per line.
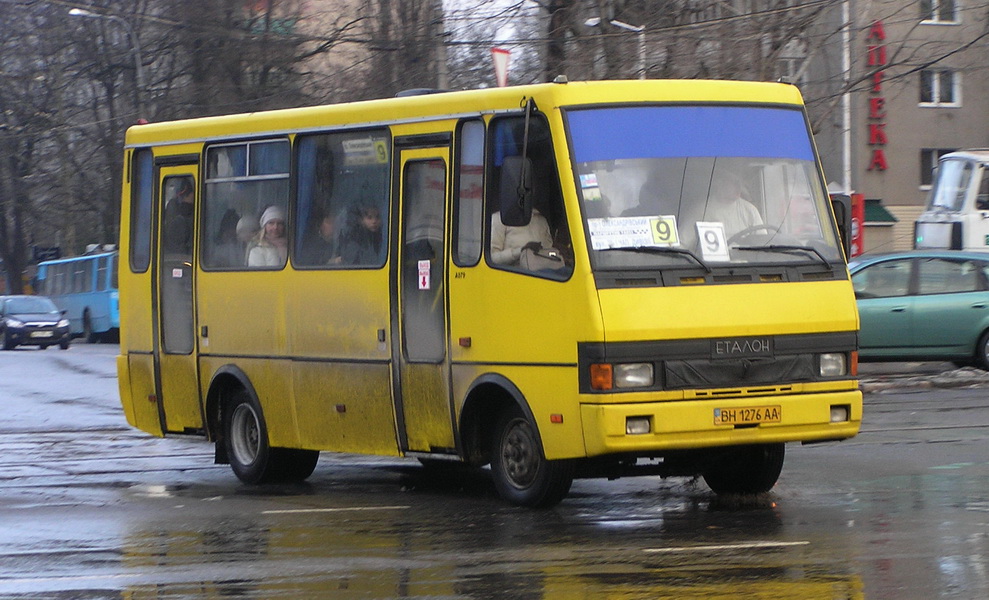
633	375
605	376
833	364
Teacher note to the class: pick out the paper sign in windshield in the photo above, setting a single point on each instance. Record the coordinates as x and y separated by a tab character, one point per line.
631	232
714	247
365	152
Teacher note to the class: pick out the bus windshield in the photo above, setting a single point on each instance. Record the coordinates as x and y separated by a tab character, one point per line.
954	176
674	186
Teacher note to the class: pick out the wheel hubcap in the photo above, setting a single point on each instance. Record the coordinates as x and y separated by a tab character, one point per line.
245	435
518	454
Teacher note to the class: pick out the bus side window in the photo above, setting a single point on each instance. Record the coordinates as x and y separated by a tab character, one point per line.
541	247
316	208
342	199
142	191
101	272
246	183
468	213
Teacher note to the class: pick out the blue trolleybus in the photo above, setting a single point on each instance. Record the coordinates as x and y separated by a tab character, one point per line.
85	287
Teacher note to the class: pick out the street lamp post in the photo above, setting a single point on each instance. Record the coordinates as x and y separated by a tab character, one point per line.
135	50
640	31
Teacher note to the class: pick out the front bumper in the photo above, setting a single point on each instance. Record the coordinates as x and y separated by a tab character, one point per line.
38	335
690	424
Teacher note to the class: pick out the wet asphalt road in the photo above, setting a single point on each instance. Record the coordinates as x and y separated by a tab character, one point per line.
92	509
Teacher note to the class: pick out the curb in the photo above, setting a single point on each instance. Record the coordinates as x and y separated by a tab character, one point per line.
965	377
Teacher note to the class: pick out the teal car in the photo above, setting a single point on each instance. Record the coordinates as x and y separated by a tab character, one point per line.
923	305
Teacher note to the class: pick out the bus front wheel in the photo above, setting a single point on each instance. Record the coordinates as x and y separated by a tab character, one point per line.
252	459
745	469
521	474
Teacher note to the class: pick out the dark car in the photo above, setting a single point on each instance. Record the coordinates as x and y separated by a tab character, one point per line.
923	305
32	321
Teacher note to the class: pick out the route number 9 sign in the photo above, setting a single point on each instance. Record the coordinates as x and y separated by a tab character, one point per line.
664	230
714	246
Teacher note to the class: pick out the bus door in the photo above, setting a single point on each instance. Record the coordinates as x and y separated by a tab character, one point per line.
176	375
422	399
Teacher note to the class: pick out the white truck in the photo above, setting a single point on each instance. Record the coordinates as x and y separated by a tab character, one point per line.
957	214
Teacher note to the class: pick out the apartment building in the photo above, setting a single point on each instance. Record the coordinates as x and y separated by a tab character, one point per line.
919	88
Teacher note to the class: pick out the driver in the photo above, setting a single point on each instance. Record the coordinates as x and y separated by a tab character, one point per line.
726	205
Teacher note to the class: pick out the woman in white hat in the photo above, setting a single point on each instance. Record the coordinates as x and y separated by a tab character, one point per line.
270	247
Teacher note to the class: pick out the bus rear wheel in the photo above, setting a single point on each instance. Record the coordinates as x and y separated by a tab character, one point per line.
746	469
90	336
252	459
521	474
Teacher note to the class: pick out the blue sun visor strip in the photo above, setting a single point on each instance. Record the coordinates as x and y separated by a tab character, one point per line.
688	131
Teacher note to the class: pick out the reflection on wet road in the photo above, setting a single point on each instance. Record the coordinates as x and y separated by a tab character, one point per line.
96	510
215	540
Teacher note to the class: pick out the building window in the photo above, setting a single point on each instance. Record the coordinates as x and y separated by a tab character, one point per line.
938	11
791	63
928	162
940	88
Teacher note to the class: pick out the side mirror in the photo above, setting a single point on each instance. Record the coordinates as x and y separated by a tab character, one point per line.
841	204
515	191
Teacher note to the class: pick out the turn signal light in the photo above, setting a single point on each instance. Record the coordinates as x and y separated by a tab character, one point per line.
601	377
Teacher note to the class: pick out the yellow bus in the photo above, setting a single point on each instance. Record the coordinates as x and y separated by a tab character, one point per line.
573	279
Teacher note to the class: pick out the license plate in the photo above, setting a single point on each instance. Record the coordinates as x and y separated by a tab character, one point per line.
747	415
41	334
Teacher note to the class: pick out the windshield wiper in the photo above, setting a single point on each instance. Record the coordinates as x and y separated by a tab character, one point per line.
786	249
663	250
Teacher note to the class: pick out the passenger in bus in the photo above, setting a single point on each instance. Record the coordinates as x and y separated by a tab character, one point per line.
361	243
727	206
319	246
651	201
177	228
228	251
270	247
508	242
247	228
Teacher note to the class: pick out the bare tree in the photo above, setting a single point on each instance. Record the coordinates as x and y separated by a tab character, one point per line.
407	48
69	88
31	93
474	28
